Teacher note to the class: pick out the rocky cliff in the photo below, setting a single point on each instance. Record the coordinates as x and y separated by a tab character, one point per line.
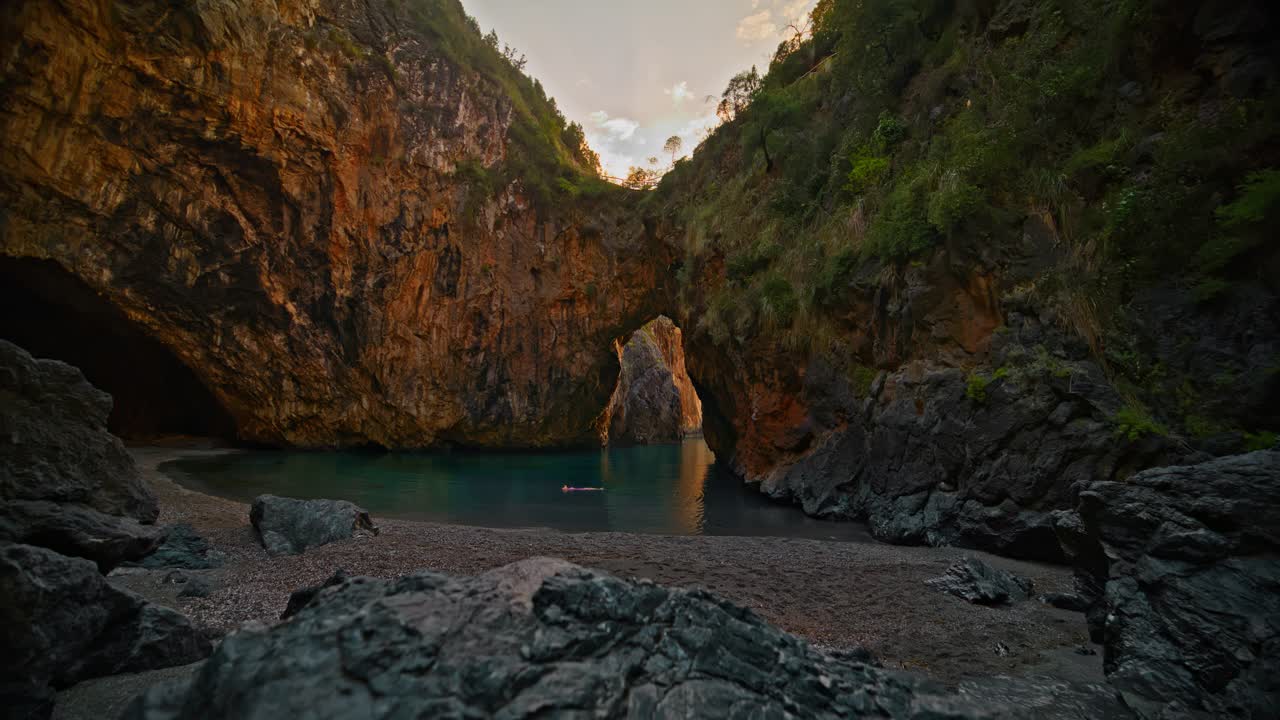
946	260
354	223
942	262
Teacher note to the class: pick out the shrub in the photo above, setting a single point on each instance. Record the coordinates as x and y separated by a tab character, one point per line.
344	42
837	270
889	132
902	229
954	202
861	378
1260	441
1259	197
977	384
1099	156
778	304
976	387
1134	422
1201	427
867	172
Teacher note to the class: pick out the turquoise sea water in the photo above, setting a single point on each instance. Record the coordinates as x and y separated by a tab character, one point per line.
663	489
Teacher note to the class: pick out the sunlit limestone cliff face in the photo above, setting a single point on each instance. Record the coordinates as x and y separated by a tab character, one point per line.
309	204
655	401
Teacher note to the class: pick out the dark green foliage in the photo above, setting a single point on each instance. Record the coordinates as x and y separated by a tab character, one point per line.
1133	422
778	303
862	378
976	385
952	203
904	128
866	173
757	258
835	277
1260	441
902	229
888	133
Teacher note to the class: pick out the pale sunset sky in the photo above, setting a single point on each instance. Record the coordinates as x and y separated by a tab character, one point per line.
635	73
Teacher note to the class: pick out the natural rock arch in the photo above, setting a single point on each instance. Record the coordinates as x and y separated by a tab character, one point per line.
318	256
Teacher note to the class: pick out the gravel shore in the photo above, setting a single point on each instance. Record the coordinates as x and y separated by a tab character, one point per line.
836	594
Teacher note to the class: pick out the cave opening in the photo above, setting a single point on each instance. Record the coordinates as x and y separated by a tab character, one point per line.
654	400
53	314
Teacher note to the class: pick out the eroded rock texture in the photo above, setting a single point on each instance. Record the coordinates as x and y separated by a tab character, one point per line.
901	434
655	400
974	581
63	623
182	548
544	638
65	482
956	397
1184	563
272	190
288	526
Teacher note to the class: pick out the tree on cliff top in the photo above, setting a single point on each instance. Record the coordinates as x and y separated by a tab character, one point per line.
738	95
673	146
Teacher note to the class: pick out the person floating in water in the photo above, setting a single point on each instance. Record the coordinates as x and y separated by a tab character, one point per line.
566	488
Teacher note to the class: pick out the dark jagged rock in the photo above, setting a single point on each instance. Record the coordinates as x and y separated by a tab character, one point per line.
1065	601
290	526
76	530
944	457
193	585
1189	557
977	582
196	587
182	547
299	599
65	482
63	623
543	638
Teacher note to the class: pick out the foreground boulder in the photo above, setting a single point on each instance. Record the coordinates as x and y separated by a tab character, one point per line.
287	526
63	623
183	548
544	638
977	582
1187	562
65	482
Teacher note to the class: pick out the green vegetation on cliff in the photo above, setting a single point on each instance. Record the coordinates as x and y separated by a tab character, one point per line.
548	155
895	133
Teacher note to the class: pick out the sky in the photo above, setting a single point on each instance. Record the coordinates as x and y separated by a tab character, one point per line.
634	73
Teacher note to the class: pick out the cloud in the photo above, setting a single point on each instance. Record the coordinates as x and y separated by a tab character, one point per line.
757	27
771	22
679	92
795	11
615	163
693	131
618	128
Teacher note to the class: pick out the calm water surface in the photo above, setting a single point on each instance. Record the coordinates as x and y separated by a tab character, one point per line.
664	489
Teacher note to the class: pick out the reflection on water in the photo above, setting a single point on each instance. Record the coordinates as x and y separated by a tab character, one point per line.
665	489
